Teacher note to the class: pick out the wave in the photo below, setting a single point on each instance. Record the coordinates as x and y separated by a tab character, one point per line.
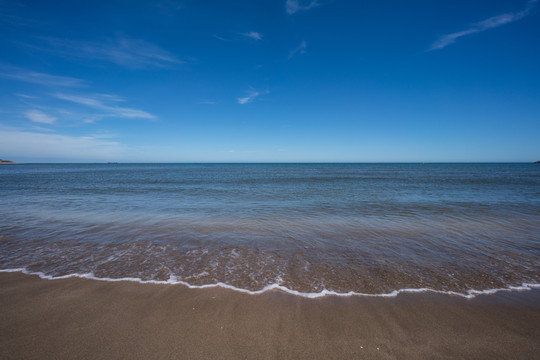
468	294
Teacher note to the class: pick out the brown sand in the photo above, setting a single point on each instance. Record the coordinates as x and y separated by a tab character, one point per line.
77	318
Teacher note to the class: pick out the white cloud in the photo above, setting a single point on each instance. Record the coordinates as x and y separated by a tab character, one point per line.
132	53
301	49
30	144
293	6
19	74
40	117
490	23
253	35
99	102
252	94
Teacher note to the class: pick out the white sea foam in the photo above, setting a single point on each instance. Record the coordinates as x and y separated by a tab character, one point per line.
469	294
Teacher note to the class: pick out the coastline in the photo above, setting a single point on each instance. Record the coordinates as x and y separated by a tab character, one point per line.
468	294
83	318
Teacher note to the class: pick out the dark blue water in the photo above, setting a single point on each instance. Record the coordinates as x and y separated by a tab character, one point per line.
370	228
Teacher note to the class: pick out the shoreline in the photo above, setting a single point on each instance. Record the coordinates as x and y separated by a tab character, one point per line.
84	318
467	294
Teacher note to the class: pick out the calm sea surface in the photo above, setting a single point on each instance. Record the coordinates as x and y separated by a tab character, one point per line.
368	228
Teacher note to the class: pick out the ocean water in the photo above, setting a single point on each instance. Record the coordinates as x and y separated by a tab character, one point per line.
310	229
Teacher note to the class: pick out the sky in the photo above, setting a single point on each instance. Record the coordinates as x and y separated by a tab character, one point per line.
270	81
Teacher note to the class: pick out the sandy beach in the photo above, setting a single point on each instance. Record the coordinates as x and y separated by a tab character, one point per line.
80	318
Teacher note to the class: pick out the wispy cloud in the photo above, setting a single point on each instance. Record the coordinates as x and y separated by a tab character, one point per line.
103	102
251	95
25	96
301	49
490	23
221	38
131	53
294	6
32	144
40	117
253	35
19	74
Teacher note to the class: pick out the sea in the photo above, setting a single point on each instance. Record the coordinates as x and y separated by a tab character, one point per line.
308	229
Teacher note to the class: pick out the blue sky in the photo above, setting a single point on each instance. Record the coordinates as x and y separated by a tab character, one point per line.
261	80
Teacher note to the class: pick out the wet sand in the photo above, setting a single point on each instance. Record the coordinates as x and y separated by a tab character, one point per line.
80	318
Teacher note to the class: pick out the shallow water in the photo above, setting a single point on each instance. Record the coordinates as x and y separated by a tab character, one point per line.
366	228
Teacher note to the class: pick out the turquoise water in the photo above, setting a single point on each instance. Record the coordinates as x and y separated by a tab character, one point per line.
369	228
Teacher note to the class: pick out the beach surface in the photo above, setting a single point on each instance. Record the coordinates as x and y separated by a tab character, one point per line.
81	318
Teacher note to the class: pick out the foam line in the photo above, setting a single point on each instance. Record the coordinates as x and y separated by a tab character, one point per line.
469	294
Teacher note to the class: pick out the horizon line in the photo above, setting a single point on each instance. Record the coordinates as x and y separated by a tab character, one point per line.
266	162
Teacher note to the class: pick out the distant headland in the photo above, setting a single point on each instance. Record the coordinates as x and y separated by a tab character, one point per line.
2	161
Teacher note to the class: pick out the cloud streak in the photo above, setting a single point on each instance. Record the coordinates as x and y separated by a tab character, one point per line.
301	49
31	144
252	35
100	102
251	95
19	74
40	117
131	53
490	23
294	6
